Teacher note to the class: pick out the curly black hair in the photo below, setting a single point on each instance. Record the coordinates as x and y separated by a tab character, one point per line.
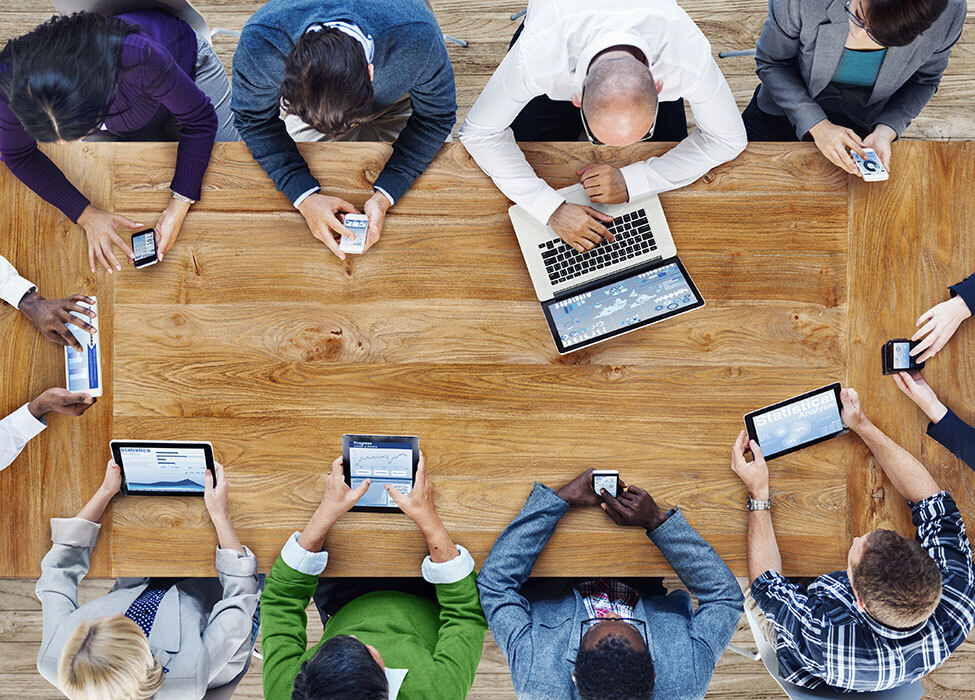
613	670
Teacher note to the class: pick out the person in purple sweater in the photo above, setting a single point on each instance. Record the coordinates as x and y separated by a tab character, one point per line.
139	76
939	324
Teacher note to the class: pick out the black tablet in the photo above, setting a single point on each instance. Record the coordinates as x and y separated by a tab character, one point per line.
620	303
798	422
161	468
386	459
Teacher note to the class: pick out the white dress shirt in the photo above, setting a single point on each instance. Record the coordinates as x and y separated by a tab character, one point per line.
552	57
20	426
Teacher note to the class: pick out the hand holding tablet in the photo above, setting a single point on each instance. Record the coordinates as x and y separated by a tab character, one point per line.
798	422
383	460
161	468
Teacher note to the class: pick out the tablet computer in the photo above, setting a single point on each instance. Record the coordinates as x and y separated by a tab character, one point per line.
162	468
798	422
386	459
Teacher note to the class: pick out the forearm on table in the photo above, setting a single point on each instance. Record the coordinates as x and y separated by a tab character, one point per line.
312	537
763	550
226	533
95	508
439	542
907	475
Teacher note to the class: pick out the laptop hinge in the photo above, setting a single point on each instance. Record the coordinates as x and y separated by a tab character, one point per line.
570	291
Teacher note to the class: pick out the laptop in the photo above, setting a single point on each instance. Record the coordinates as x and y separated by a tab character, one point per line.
614	288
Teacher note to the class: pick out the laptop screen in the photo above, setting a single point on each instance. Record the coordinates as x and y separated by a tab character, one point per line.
620	304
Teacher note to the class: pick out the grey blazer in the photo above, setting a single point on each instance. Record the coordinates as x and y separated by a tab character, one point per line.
202	634
800	48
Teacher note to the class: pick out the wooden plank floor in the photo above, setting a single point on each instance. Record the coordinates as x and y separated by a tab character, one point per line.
735	677
485	24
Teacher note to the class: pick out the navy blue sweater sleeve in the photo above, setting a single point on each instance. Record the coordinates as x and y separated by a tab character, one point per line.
966	290
434	100
955	434
258	71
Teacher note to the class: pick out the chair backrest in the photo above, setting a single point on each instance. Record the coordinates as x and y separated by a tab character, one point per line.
911	691
181	8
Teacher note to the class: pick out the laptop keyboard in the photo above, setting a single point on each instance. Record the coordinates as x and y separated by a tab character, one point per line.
633	237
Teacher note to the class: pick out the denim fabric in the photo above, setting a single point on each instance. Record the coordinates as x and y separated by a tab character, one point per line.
537	627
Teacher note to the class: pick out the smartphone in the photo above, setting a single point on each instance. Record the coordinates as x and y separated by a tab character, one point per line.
144	247
871	168
608	479
896	356
84	369
358	224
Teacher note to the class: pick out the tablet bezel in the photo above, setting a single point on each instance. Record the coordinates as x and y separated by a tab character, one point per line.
613	279
412	440
164	444
750	420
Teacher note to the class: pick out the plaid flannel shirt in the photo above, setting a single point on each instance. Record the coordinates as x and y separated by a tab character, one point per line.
823	638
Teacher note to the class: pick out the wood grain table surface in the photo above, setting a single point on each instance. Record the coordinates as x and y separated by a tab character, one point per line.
253	336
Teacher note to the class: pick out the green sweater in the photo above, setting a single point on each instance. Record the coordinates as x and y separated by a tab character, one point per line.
440	645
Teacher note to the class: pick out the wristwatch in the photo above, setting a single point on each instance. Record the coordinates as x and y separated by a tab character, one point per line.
759	505
183	198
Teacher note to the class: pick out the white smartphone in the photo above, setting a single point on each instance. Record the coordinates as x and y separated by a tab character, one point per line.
358	224
871	168
84	369
608	479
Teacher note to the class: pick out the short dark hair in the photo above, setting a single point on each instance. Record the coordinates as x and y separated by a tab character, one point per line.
63	74
898	582
614	670
341	669
899	22
326	82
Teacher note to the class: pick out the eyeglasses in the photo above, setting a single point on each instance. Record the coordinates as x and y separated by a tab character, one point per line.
640	625
858	21
596	142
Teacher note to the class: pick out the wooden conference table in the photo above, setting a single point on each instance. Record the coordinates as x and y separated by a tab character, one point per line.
251	335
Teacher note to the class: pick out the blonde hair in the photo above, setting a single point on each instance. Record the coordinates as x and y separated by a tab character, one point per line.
109	659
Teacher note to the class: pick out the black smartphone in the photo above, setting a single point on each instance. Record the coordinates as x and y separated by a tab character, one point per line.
144	247
608	479
896	356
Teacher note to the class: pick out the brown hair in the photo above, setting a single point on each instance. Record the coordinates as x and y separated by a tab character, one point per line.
898	582
326	82
899	22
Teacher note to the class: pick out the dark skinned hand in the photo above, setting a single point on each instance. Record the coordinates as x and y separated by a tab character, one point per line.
51	316
578	492
633	508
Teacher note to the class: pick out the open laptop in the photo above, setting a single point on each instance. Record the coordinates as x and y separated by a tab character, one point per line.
614	288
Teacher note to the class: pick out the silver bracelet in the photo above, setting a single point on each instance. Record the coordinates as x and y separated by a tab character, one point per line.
183	198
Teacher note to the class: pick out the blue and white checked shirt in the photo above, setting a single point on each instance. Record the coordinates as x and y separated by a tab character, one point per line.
824	638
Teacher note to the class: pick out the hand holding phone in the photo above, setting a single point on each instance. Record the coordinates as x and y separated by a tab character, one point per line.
608	479
871	169
897	357
358	224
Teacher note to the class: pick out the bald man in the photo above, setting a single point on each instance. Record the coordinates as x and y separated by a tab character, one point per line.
613	72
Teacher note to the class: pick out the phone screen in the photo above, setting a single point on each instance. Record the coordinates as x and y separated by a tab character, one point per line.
901	353
144	246
609	482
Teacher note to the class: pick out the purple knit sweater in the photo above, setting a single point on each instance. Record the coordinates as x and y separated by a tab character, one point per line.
155	81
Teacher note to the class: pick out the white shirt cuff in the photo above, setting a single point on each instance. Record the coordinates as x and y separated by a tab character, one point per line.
23	423
448	571
15	289
545	205
637	182
304	196
74	532
385	194
301	560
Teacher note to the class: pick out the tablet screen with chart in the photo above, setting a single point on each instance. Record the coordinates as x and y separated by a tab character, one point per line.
621	304
385	459
163	468
796	423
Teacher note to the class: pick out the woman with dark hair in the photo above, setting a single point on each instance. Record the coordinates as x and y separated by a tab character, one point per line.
849	74
140	76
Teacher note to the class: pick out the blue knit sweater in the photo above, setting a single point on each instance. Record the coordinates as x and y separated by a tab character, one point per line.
409	58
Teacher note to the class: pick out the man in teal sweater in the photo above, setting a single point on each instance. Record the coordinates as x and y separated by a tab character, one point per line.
383	644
